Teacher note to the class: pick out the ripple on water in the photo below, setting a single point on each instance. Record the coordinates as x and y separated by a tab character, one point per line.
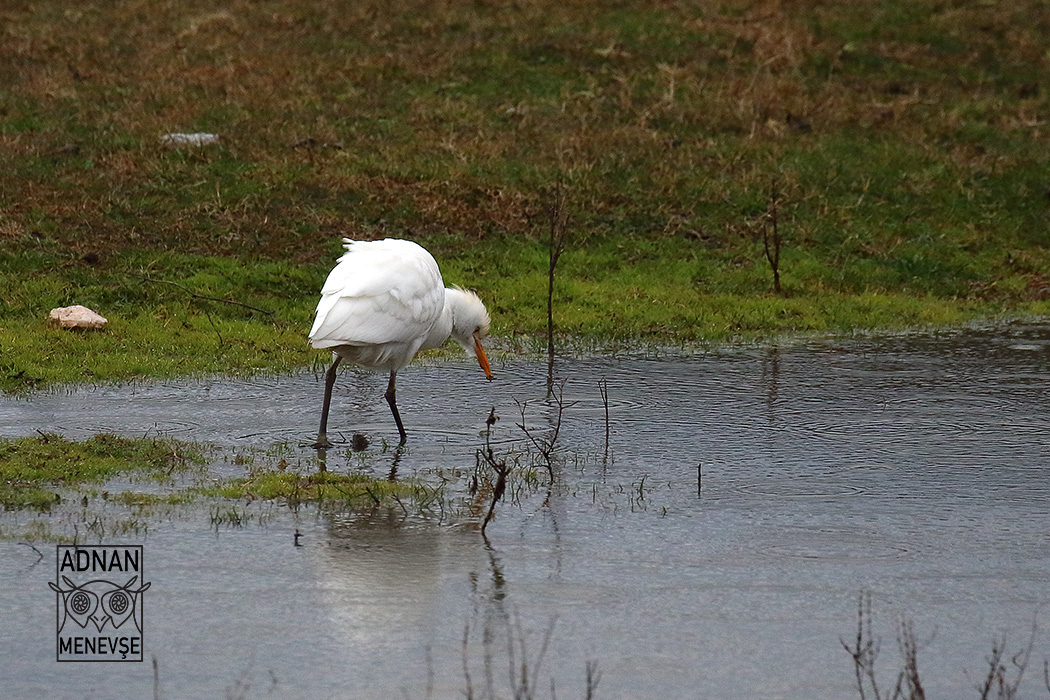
144	426
828	543
800	487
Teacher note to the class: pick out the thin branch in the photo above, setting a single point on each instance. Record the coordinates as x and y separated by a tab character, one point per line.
909	649
772	247
593	676
548	445
603	389
214	328
499	466
466	665
865	649
204	297
39	554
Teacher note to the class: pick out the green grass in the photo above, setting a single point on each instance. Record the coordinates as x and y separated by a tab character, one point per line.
93	483
907	140
34	470
320	487
169	314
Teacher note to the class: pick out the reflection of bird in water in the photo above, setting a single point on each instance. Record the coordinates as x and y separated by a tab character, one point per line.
382	303
390	582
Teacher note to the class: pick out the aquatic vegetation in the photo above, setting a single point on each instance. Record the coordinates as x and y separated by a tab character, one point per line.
295	488
1001	681
35	471
94	485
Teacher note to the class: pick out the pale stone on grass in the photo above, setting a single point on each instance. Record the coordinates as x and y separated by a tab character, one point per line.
189	139
77	317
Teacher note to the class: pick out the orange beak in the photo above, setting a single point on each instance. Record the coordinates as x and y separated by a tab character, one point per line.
482	360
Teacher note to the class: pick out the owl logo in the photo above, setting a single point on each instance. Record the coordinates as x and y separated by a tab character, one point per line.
99	592
100	602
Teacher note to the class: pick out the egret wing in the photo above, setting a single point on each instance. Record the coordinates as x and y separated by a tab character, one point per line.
379	292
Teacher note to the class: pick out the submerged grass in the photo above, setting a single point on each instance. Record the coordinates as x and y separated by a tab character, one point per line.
319	487
35	471
909	143
91	486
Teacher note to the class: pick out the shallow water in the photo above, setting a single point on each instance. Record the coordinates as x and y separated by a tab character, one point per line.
915	467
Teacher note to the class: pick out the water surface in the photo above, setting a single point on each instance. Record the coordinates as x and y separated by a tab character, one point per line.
914	467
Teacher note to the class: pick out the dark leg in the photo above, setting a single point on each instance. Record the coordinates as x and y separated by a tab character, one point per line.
329	382
391	398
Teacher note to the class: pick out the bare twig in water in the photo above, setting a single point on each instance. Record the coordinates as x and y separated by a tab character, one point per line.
558	221
466	665
909	649
546	446
430	673
39	554
593	676
603	388
865	649
500	487
996	683
524	669
499	466
522	683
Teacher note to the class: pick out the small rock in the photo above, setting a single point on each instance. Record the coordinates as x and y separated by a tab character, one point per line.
359	443
198	139
77	317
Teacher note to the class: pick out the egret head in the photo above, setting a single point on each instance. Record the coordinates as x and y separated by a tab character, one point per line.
470	324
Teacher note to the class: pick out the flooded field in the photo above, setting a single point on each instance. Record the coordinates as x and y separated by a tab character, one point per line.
913	467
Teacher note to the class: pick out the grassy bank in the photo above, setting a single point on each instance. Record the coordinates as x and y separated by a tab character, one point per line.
909	144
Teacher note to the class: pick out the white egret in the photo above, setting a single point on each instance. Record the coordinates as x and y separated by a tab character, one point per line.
382	303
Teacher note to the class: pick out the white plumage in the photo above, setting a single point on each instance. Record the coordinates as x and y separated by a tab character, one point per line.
383	302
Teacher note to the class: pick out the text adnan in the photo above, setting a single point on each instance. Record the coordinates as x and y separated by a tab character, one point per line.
115	559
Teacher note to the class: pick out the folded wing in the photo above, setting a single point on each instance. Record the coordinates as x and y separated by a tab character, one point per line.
380	292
